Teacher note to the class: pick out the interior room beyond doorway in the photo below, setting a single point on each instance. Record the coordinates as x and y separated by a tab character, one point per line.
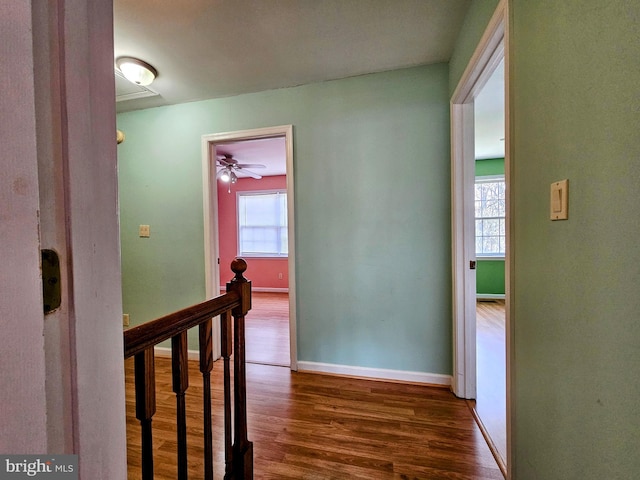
267	329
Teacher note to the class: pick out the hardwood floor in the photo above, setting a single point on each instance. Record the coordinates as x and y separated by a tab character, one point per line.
310	426
267	329
490	403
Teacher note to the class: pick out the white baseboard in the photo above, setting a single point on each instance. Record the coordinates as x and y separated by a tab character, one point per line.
263	289
489	296
376	373
166	352
349	371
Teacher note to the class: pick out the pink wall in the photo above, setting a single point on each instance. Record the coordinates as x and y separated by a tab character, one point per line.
263	272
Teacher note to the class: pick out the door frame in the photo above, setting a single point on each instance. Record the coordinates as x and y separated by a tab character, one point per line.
210	211
493	46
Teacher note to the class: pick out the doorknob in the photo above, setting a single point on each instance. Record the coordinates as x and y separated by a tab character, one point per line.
472	265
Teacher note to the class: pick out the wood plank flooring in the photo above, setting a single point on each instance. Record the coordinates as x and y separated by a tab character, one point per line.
310	426
490	403
267	329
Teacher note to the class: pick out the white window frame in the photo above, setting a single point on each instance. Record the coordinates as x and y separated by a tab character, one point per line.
252	193
489	179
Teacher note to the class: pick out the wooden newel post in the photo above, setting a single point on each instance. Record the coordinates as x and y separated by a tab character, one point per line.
242	447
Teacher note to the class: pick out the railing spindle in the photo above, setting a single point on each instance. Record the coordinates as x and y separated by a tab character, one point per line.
226	351
206	365
145	384
180	374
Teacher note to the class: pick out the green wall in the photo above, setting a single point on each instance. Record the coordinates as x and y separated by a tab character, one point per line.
475	23
490	273
490	166
575	81
372	200
490	277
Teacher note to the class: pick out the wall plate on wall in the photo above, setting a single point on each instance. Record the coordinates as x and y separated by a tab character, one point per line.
559	201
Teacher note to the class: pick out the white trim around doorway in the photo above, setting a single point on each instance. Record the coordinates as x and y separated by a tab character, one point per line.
487	56
210	210
493	46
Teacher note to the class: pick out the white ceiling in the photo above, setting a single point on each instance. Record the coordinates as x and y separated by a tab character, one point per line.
489	117
216	48
269	152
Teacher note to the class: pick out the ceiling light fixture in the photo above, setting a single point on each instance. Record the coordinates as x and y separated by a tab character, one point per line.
225	175
137	71
228	176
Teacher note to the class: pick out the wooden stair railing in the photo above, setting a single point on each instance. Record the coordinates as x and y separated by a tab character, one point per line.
139	343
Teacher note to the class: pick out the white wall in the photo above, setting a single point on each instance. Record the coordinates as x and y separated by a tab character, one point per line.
22	393
62	383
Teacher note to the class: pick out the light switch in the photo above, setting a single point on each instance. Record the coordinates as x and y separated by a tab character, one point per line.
559	201
144	231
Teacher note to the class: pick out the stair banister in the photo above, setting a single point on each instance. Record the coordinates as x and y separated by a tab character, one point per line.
139	342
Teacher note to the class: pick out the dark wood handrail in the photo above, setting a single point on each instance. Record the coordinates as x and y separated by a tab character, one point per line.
138	339
139	342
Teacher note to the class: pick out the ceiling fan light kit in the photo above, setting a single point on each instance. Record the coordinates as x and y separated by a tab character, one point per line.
136	71
227	175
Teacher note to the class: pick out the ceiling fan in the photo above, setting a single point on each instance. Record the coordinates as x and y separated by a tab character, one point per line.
230	166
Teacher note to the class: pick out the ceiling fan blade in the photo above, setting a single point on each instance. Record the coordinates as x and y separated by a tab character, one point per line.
250	165
222	162
250	173
227	159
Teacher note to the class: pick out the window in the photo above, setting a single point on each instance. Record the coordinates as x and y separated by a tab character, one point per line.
490	213
262	224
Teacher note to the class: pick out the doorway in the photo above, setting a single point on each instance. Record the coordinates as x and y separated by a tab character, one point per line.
486	59
490	242
273	277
